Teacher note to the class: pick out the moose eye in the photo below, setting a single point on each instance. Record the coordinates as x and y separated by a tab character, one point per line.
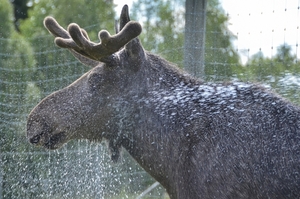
95	80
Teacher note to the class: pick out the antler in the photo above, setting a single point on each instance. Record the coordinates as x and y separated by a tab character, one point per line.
76	39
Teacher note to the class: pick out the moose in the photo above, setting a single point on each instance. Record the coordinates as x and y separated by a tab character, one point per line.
197	139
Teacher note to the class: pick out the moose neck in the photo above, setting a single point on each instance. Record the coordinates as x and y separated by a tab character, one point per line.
149	133
160	166
155	148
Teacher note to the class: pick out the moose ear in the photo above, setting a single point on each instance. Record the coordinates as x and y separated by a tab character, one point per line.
134	47
124	17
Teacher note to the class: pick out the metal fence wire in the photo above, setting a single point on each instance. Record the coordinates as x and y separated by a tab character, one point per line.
84	170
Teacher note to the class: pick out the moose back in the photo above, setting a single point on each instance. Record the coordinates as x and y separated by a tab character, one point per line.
198	139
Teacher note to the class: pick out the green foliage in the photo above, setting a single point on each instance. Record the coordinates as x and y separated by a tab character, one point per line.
91	15
47	70
221	59
57	67
280	72
33	68
6	16
17	63
260	68
20	11
162	28
163	33
30	76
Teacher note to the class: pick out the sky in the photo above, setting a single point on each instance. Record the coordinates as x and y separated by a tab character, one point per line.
263	25
260	25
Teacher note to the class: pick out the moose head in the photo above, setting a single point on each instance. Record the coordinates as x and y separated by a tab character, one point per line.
85	108
199	140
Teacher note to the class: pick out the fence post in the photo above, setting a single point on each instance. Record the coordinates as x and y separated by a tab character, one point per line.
194	44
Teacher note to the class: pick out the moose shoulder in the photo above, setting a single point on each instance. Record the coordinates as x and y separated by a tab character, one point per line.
198	139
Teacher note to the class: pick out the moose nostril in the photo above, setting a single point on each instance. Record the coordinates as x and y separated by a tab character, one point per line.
35	139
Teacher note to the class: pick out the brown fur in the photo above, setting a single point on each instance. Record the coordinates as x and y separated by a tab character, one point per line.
199	140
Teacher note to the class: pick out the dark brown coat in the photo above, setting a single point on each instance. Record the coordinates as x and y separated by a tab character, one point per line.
199	140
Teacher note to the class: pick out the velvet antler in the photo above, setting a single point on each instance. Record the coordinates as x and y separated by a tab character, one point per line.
76	39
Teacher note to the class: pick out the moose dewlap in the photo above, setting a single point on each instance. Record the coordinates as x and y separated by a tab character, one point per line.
198	139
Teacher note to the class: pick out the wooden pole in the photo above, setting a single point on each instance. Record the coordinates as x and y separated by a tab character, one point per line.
194	44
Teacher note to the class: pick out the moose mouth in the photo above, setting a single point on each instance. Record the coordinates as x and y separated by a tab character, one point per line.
41	133
50	142
55	141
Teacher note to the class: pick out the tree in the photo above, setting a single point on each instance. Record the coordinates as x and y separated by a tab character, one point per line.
20	11
162	28
221	59
57	67
284	56
16	65
260	68
163	33
280	72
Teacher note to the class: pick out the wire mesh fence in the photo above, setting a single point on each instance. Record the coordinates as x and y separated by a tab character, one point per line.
79	170
82	169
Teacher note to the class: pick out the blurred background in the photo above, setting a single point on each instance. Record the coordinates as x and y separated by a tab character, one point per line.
250	41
